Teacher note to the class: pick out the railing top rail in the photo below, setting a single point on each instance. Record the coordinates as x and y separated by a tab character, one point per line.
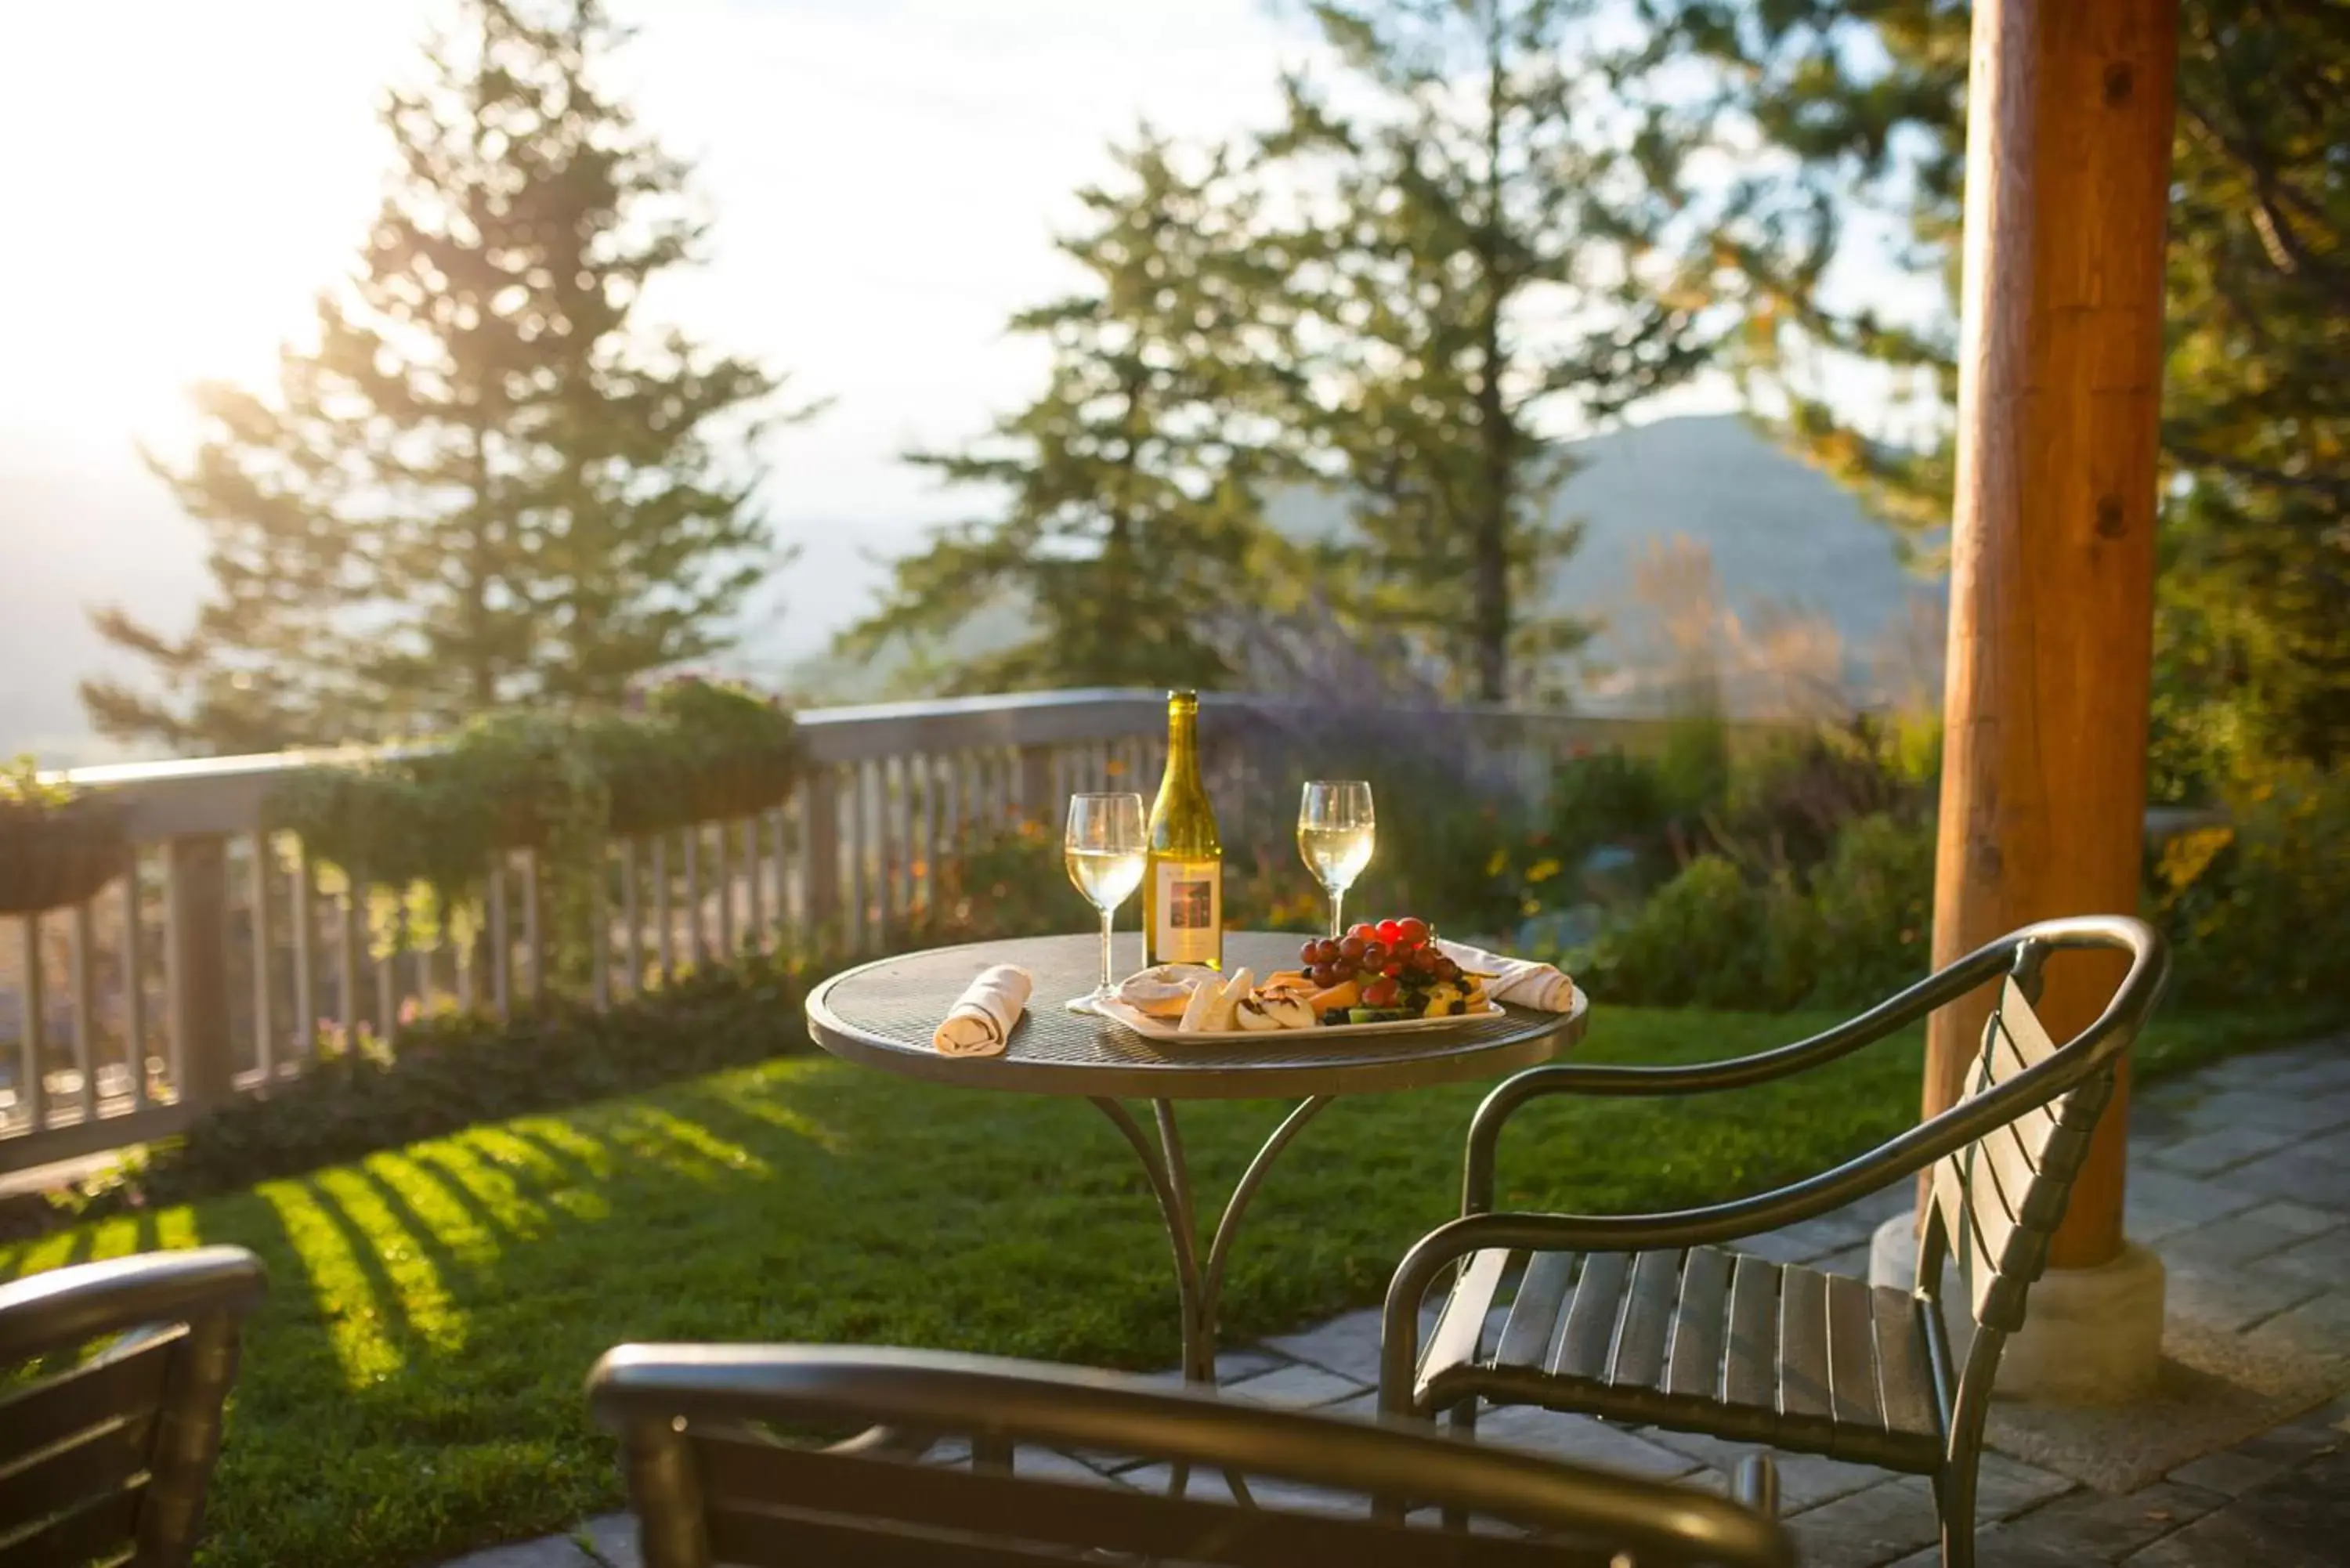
226	795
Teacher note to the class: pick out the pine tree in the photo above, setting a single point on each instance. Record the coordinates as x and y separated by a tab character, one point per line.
488	483
1128	505
2253	655
1492	191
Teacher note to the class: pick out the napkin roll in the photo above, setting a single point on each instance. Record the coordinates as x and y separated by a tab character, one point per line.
980	1020
1521	982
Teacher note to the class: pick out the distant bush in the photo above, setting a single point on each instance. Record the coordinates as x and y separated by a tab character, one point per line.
1851	931
2258	909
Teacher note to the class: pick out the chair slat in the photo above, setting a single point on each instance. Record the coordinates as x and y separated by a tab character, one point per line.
761	1498
1533	1316
1905	1380
125	1379
1462	1321
101	1530
2024	1031
1750	1373
1803	1343
1647	1317
1699	1319
1852	1352
101	1461
1589	1331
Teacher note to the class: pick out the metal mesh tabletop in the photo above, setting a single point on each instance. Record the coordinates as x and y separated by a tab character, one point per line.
882	1013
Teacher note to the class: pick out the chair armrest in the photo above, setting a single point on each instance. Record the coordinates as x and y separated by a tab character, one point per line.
1705	1078
1902	1156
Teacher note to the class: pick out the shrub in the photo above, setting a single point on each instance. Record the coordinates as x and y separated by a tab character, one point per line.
2258	909
454	1070
1865	926
1698	940
1853	932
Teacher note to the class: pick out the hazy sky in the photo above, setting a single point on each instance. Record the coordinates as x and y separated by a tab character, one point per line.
887	176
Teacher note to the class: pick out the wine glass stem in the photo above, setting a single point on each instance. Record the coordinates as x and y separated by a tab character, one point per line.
1107	915
1337	895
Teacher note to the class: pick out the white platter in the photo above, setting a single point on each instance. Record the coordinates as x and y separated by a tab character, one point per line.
1150	1028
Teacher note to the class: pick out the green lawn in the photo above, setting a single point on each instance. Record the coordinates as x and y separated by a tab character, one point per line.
413	1387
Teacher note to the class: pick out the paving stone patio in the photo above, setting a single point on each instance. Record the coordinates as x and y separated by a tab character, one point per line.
2240	1178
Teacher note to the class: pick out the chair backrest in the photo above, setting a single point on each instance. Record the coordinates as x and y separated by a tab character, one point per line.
713	1483
111	1380
1997	1201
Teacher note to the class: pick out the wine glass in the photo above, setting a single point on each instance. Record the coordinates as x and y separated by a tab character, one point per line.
1335	832
1105	849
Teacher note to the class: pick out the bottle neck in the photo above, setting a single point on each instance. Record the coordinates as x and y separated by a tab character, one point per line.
1183	740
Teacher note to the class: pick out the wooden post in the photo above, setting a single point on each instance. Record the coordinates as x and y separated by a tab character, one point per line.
2052	583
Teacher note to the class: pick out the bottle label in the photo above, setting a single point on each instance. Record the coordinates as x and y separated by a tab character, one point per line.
1188	905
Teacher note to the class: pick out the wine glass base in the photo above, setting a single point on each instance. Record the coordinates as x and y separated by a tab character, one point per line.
1091	1002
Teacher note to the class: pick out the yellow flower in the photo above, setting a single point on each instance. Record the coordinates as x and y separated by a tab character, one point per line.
1498	864
1543	870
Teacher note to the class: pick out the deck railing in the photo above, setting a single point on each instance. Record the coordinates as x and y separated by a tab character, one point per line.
223	955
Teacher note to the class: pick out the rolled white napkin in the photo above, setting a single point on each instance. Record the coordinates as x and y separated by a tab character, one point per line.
981	1020
1520	982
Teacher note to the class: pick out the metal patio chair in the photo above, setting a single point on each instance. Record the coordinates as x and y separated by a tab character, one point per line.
1640	1318
714	1482
111	1380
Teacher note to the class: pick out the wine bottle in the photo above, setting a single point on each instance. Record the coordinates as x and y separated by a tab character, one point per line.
1184	880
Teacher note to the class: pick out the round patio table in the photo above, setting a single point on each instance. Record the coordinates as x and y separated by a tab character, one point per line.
882	1014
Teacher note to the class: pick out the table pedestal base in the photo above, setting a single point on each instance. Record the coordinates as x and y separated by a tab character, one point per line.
1197	1286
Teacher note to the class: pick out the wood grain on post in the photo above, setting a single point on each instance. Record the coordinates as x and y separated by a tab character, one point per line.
2051	582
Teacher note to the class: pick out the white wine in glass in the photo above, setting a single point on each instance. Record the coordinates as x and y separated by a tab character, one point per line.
1105	850
1335	832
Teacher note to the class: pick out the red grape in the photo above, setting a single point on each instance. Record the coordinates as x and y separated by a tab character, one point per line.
1351	948
1392	967
1363	929
1447	970
1309	953
1412	930
1390	931
1323	976
1381	994
1343	967
1373	955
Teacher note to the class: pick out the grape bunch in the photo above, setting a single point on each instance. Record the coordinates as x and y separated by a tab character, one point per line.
1392	959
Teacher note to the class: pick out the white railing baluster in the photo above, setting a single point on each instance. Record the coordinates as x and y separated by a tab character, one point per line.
696	942
632	947
721	869
533	936
305	916
352	928
754	916
34	1041
387	975
783	826
264	990
501	939
426	981
85	1008
664	937
134	972
600	927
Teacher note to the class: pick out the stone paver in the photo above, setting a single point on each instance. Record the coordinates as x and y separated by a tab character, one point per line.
2240	1178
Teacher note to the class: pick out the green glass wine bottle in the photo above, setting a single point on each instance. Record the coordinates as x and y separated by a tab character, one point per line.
1185	880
